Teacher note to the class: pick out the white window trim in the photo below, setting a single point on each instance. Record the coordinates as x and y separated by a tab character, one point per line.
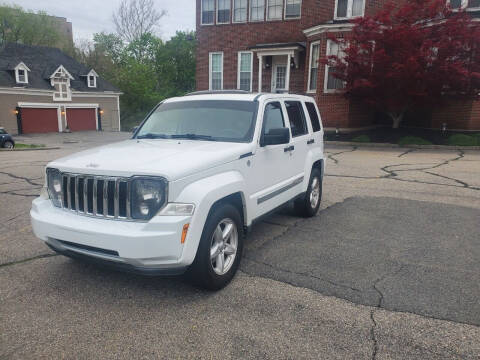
229	20
250	12
233	13
349	11
292	18
201	14
251	68
312	91
268	15
94	81
95	75
325	80
210	63
21	66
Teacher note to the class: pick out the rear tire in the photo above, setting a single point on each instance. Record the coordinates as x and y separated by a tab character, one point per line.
309	205
220	249
8	145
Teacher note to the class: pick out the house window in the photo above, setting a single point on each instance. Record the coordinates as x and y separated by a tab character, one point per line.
274	10
458	4
240	10
474	4
313	74
245	65
216	71
223	11
22	76
257	10
92	81
332	83
349	8
60	81
292	9
208	11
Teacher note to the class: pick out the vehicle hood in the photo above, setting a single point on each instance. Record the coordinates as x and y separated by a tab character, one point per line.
172	159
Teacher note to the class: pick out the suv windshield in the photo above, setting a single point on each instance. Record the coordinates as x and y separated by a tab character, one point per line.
210	120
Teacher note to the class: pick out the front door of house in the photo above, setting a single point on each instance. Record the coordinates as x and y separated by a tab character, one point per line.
279	78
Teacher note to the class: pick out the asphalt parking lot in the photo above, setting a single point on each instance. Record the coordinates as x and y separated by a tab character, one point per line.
389	270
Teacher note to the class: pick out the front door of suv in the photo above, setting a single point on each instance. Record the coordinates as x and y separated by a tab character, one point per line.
300	140
270	167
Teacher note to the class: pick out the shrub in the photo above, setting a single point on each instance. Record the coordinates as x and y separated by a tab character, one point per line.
413	140
463	140
362	139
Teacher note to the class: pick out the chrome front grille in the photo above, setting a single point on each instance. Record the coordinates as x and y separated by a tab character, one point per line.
99	196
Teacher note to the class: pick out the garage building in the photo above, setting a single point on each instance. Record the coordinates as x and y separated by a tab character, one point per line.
44	90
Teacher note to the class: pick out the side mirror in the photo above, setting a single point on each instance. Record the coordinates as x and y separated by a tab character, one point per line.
134	129
276	137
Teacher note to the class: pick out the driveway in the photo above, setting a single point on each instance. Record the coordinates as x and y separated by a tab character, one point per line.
388	269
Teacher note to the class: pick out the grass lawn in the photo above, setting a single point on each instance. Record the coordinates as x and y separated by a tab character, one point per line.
28	146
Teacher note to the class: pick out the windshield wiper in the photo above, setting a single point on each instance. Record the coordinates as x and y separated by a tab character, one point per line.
193	137
153	136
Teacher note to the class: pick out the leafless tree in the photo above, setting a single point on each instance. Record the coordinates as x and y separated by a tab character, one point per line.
135	18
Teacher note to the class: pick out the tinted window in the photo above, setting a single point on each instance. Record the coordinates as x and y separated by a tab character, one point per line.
2	131
312	111
273	117
297	118
219	120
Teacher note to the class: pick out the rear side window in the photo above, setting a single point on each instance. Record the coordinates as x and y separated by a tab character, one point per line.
273	117
296	116
312	111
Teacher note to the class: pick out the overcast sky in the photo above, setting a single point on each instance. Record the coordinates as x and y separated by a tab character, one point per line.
92	16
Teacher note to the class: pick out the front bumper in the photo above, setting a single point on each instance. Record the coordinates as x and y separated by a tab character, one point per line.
149	248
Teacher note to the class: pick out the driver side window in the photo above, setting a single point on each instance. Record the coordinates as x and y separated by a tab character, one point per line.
273	117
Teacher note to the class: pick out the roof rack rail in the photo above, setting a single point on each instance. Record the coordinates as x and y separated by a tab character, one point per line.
207	92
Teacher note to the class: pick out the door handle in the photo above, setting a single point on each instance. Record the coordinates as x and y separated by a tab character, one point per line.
311	141
289	148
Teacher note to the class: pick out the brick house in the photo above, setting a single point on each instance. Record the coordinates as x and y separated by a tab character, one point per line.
44	90
274	46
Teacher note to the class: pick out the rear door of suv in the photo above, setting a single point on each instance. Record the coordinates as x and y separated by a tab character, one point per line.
301	135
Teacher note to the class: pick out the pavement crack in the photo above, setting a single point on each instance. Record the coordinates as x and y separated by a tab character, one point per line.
336	161
406	152
24	178
302	274
27	260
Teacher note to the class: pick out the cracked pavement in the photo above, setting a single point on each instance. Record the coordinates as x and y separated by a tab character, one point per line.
388	270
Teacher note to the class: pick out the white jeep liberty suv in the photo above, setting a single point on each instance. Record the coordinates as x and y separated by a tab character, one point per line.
180	194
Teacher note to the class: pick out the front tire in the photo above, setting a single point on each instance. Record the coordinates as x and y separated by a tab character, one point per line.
309	205
220	249
8	145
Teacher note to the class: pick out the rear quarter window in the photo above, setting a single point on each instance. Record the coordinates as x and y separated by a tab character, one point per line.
312	111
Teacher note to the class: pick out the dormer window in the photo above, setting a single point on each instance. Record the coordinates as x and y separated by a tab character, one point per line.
21	73
347	9
92	79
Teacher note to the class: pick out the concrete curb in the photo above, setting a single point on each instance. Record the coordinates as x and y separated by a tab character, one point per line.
387	145
31	149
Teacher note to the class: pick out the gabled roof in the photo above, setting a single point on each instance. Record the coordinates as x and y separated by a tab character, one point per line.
43	62
21	64
62	69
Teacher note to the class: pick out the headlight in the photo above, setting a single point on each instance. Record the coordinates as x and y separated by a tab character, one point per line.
175	209
54	186
148	197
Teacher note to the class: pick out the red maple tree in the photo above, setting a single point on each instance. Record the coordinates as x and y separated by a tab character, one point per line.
407	56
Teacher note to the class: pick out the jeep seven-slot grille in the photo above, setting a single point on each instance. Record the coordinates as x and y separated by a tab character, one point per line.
99	196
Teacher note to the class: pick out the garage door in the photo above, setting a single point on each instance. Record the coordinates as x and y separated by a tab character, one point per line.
39	120
81	119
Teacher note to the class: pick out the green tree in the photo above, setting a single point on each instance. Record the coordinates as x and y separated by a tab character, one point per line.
175	64
27	27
